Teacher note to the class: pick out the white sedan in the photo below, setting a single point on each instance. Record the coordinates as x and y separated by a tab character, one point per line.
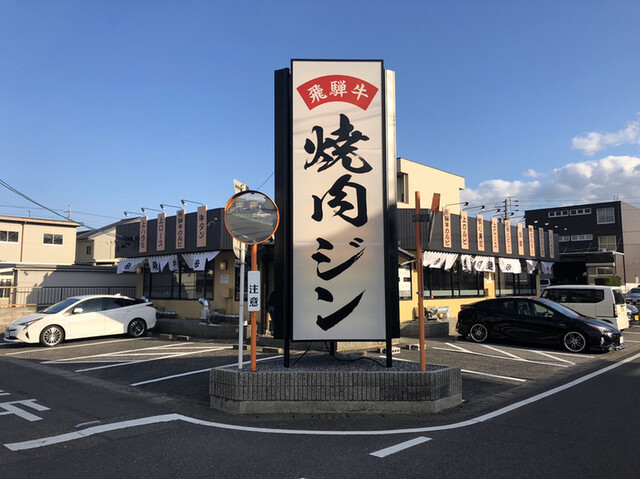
83	317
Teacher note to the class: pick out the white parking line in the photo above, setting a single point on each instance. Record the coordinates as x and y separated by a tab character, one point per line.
400	447
501	351
553	357
167	356
106	354
91	431
519	380
478	373
458	349
58	348
199	371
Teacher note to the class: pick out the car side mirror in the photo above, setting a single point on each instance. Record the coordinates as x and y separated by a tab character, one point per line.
78	310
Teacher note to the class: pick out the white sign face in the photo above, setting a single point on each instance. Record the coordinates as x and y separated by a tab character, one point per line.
253	291
338	200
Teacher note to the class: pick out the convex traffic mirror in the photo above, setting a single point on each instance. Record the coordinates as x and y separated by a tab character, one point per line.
251	217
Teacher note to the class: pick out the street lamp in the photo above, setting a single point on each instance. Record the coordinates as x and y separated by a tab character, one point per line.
144	210
162	205
184	202
127	213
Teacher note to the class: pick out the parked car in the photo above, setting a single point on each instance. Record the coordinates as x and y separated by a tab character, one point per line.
605	303
536	320
633	313
83	317
632	296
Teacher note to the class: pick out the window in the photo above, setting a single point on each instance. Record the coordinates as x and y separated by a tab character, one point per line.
404	282
181	284
89	249
455	283
403	188
50	238
580	211
563	239
606	215
583	237
555	214
8	236
607	243
510	284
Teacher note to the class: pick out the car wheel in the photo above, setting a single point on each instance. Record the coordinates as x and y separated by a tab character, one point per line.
136	328
479	333
574	342
51	336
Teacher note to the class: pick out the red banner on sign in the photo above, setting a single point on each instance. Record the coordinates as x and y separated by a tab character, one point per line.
343	88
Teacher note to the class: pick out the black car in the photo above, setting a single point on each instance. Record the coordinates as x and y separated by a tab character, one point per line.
536	320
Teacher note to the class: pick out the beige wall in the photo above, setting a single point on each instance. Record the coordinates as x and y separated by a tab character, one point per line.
427	181
103	249
31	248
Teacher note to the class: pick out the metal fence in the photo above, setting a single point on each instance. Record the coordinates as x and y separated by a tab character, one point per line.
43	296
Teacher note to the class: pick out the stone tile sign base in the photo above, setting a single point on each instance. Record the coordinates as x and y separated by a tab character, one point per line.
321	386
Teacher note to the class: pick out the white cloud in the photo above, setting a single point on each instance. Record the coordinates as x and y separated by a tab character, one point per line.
574	183
593	142
531	173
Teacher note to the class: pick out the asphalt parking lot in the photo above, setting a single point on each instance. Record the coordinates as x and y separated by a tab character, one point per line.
178	369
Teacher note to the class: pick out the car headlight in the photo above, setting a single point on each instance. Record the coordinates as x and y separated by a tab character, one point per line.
602	329
29	323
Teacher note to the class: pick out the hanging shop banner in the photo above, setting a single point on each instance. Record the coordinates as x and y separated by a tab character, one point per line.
467	263
532	241
198	261
520	230
494	235
201	227
531	266
143	234
480	232
541	240
156	265
464	230
484	264
161	232
338	200
437	259
546	267
129	265
552	252
180	229
446	228
507	237
510	265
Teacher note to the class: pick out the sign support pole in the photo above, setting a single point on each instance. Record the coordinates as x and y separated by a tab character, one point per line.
254	326
241	308
423	359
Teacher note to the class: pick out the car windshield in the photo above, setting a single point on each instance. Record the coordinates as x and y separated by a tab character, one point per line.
56	308
570	313
634	290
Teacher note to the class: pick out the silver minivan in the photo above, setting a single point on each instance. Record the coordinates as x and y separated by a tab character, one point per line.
606	303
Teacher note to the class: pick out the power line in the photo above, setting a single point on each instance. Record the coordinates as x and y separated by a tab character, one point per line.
19	193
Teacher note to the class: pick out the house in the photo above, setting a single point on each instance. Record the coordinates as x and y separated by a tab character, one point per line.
595	240
38	267
98	246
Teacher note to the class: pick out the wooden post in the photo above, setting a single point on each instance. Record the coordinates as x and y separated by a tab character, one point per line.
423	360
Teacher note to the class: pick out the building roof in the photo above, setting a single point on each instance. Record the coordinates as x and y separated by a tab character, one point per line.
18	219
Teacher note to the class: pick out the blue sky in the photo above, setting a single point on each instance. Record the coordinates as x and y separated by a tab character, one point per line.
109	106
